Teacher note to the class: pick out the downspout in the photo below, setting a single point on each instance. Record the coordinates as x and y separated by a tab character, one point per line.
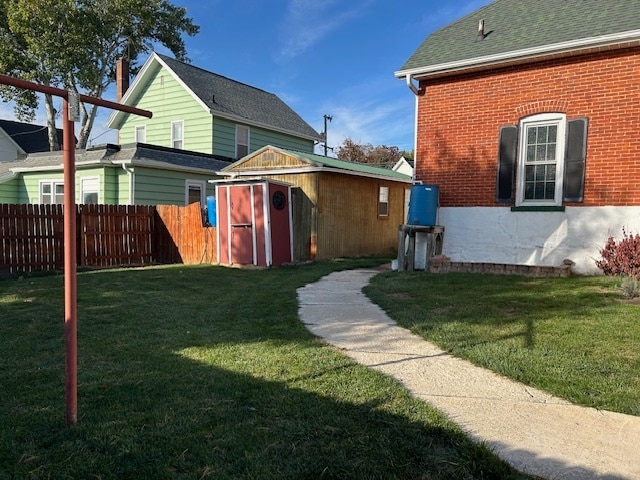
416	92
131	176
412	87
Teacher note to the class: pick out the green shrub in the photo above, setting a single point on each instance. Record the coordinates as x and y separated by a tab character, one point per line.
621	258
630	287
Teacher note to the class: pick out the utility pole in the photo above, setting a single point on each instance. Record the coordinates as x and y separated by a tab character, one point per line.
324	134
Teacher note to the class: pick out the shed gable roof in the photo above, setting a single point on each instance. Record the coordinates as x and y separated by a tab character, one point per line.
224	97
314	161
516	27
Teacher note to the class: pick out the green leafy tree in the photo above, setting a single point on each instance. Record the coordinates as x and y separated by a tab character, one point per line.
380	156
74	45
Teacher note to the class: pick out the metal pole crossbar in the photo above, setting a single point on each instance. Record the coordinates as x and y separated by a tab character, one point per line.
70	253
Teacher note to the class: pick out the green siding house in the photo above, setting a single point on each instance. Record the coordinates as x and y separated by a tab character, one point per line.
132	174
197	110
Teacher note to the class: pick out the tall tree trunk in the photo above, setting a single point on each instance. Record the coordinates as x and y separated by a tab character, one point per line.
88	118
51	123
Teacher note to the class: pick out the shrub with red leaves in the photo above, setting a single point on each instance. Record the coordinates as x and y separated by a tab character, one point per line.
621	258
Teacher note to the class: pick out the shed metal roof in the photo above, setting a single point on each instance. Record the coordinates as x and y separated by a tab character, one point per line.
322	162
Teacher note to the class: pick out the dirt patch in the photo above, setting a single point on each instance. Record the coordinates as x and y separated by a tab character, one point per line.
631	301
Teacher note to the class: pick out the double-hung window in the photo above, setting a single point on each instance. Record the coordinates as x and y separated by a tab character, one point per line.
177	134
242	141
52	192
541	161
141	133
383	202
90	190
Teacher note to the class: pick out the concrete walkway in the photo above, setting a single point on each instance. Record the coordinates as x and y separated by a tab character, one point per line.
535	432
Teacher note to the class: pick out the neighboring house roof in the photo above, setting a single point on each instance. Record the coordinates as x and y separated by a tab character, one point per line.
315	163
223	97
516	30
29	138
404	165
134	154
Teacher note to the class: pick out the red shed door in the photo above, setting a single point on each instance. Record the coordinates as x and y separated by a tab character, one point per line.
241	225
280	213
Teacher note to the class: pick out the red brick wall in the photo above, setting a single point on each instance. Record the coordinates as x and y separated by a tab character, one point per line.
459	120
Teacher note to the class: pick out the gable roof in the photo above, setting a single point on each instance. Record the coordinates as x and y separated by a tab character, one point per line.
30	138
522	30
316	163
223	97
133	154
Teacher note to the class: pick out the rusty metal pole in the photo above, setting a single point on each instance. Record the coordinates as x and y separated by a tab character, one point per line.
70	277
70	250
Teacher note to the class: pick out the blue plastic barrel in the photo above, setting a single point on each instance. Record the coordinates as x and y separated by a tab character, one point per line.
211	210
423	205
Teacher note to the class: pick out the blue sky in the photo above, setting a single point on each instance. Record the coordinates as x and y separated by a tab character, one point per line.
334	57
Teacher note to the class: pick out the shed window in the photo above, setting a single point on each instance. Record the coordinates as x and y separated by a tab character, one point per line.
383	202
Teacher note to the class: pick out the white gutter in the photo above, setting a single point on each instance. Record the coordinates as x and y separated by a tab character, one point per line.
132	184
7	176
573	46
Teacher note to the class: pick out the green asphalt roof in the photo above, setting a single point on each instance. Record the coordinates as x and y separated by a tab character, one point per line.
512	25
329	162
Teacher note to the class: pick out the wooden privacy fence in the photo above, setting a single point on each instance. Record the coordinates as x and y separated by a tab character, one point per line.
32	236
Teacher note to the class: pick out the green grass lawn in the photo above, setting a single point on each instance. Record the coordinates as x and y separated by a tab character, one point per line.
206	372
573	337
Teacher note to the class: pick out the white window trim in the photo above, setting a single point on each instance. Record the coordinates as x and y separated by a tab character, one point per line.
173	140
82	187
560	120
248	139
143	129
383	199
195	183
53	184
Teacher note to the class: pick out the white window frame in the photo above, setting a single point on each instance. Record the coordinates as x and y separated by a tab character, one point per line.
239	132
141	133
53	195
383	201
540	120
84	189
201	184
174	139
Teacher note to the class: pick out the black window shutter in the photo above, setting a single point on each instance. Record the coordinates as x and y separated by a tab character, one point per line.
574	161
506	163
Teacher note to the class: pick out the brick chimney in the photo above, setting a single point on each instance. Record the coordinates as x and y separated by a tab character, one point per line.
122	77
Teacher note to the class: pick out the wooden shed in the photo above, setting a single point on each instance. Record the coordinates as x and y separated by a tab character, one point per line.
339	209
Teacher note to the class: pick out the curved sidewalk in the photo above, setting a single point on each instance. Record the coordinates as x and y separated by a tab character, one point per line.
535	432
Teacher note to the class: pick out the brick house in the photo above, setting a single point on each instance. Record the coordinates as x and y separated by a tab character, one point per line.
527	119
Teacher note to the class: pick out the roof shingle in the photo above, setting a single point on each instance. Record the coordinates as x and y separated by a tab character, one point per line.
229	97
513	25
